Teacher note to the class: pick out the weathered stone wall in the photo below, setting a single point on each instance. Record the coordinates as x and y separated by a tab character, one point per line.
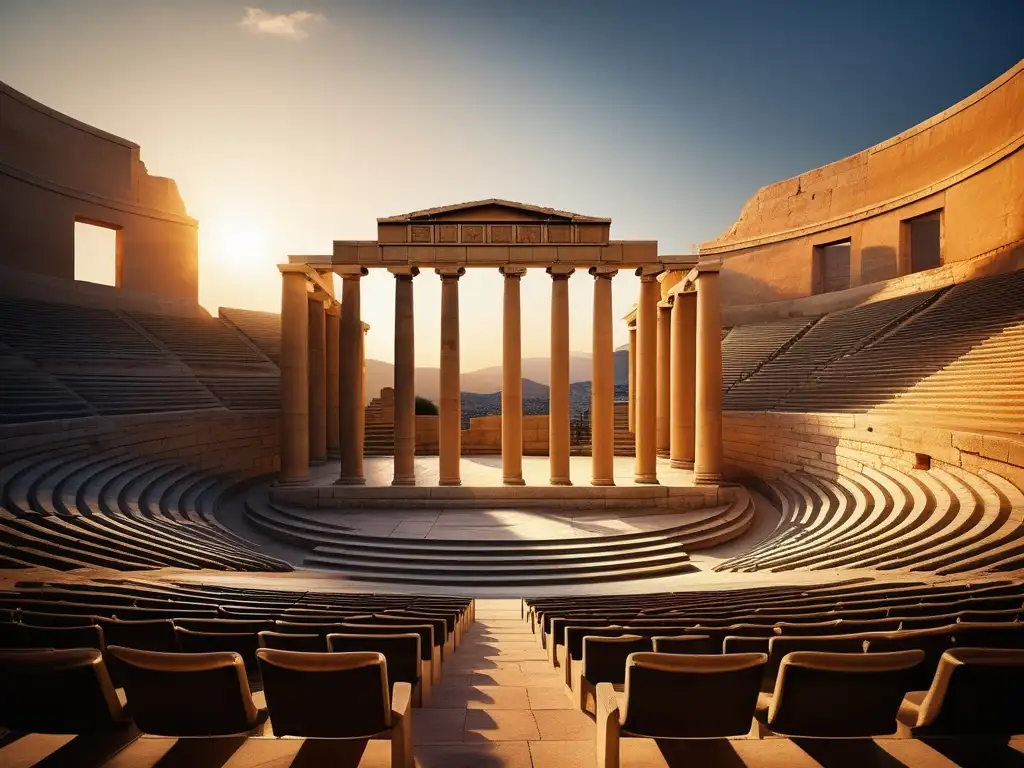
220	441
966	161
55	170
484	436
767	444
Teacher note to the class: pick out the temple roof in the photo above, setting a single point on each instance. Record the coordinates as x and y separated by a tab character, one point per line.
511	209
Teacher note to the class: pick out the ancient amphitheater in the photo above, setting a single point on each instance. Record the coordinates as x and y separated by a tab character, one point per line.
800	542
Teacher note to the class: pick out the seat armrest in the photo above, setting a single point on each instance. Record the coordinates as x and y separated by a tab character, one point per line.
608	726
401	726
401	699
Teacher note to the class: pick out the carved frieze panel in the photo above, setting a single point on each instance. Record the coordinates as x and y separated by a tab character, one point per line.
448	233
472	233
420	233
559	233
528	233
501	233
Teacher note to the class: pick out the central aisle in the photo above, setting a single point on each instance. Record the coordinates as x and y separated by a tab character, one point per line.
500	703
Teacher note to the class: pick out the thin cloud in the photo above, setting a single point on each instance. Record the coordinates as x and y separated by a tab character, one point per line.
293	26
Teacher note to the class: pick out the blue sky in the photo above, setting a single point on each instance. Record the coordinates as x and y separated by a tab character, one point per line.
295	123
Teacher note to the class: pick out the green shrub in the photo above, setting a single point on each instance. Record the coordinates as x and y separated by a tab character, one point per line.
425	407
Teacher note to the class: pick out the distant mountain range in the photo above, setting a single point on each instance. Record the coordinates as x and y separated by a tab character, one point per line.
487	381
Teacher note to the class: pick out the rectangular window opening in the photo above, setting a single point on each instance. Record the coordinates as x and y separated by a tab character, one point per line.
924	239
832	267
96	253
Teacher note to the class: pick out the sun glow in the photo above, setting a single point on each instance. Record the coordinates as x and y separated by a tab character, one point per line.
238	240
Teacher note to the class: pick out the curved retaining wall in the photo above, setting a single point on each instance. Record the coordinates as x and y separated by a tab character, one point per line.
966	162
55	170
766	444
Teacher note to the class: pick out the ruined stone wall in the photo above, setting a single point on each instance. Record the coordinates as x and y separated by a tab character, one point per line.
758	444
221	441
55	170
966	162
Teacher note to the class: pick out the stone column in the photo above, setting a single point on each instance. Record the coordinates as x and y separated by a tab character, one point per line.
707	465
449	433
632	376
512	381
602	386
646	378
684	383
331	338
558	407
405	377
294	376
317	329
351	415
664	401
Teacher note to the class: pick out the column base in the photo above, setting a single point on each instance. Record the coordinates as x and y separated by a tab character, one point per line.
513	481
681	464
333	455
404	481
317	462
663	453
645	479
450	482
560	481
354	480
602	483
291	481
708	478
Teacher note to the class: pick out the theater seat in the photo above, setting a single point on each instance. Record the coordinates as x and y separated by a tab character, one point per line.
188	694
604	661
838	694
242	643
686	644
712	696
66	691
401	651
289	641
977	692
337	696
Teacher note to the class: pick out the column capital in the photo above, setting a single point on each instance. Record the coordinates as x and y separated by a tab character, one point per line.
351	273
512	272
400	272
665	304
560	271
649	272
450	273
606	273
365	327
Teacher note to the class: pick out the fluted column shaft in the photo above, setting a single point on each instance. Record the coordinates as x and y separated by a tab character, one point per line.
646	380
632	378
684	384
602	386
317	381
405	378
707	467
332	320
558	406
449	434
351	415
512	381
664	420
294	378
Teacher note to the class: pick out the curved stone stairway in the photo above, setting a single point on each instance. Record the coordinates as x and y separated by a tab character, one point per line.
499	562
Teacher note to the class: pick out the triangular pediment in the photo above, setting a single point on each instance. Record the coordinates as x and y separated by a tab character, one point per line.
490	210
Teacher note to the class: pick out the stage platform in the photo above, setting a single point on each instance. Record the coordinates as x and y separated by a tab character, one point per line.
482	487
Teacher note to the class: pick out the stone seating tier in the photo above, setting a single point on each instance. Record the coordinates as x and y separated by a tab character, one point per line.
948	520
82	508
